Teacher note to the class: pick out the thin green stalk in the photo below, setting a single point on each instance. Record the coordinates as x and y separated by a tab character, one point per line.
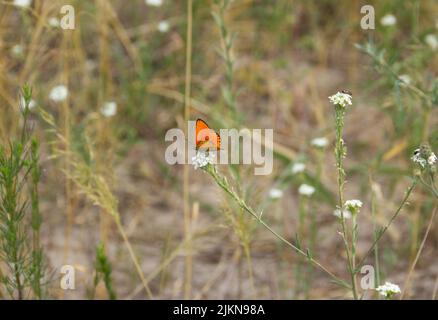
223	183
340	152
227	40
103	269
376	248
382	232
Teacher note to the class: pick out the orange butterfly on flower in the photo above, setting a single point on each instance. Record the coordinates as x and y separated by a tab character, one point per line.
206	138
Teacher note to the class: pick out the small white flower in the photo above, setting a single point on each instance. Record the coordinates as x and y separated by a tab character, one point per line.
432	159
347	214
388	289
32	104
388	20
306	190
53	22
17	50
405	80
22	3
163	26
202	159
353	204
154	3
432	41
275	193
59	93
298	167
321	142
341	98
109	109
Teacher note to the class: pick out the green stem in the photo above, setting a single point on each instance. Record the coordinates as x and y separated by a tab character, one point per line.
339	155
381	233
223	183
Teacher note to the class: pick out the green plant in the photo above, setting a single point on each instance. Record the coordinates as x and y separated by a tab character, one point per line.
19	212
103	271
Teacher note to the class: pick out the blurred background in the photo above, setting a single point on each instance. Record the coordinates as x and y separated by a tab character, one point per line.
106	92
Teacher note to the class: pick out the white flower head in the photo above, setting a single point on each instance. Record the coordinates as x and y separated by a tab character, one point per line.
341	98
306	190
59	93
163	26
338	213
202	159
353	206
54	22
432	41
404	79
321	142
275	193
109	109
154	3
388	20
22	3
388	289
432	159
32	104
298	167
425	157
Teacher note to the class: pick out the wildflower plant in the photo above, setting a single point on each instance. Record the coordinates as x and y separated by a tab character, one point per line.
341	100
224	184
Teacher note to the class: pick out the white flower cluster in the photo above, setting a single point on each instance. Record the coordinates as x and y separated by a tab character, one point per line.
109	109
424	157
275	193
432	159
432	41
58	93
319	142
202	159
353	204
22	3
154	3
306	190
163	26
351	207
388	20
298	167
388	289
341	98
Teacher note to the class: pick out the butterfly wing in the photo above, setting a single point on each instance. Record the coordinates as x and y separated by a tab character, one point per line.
206	138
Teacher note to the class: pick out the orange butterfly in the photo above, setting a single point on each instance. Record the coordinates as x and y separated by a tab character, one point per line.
206	138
